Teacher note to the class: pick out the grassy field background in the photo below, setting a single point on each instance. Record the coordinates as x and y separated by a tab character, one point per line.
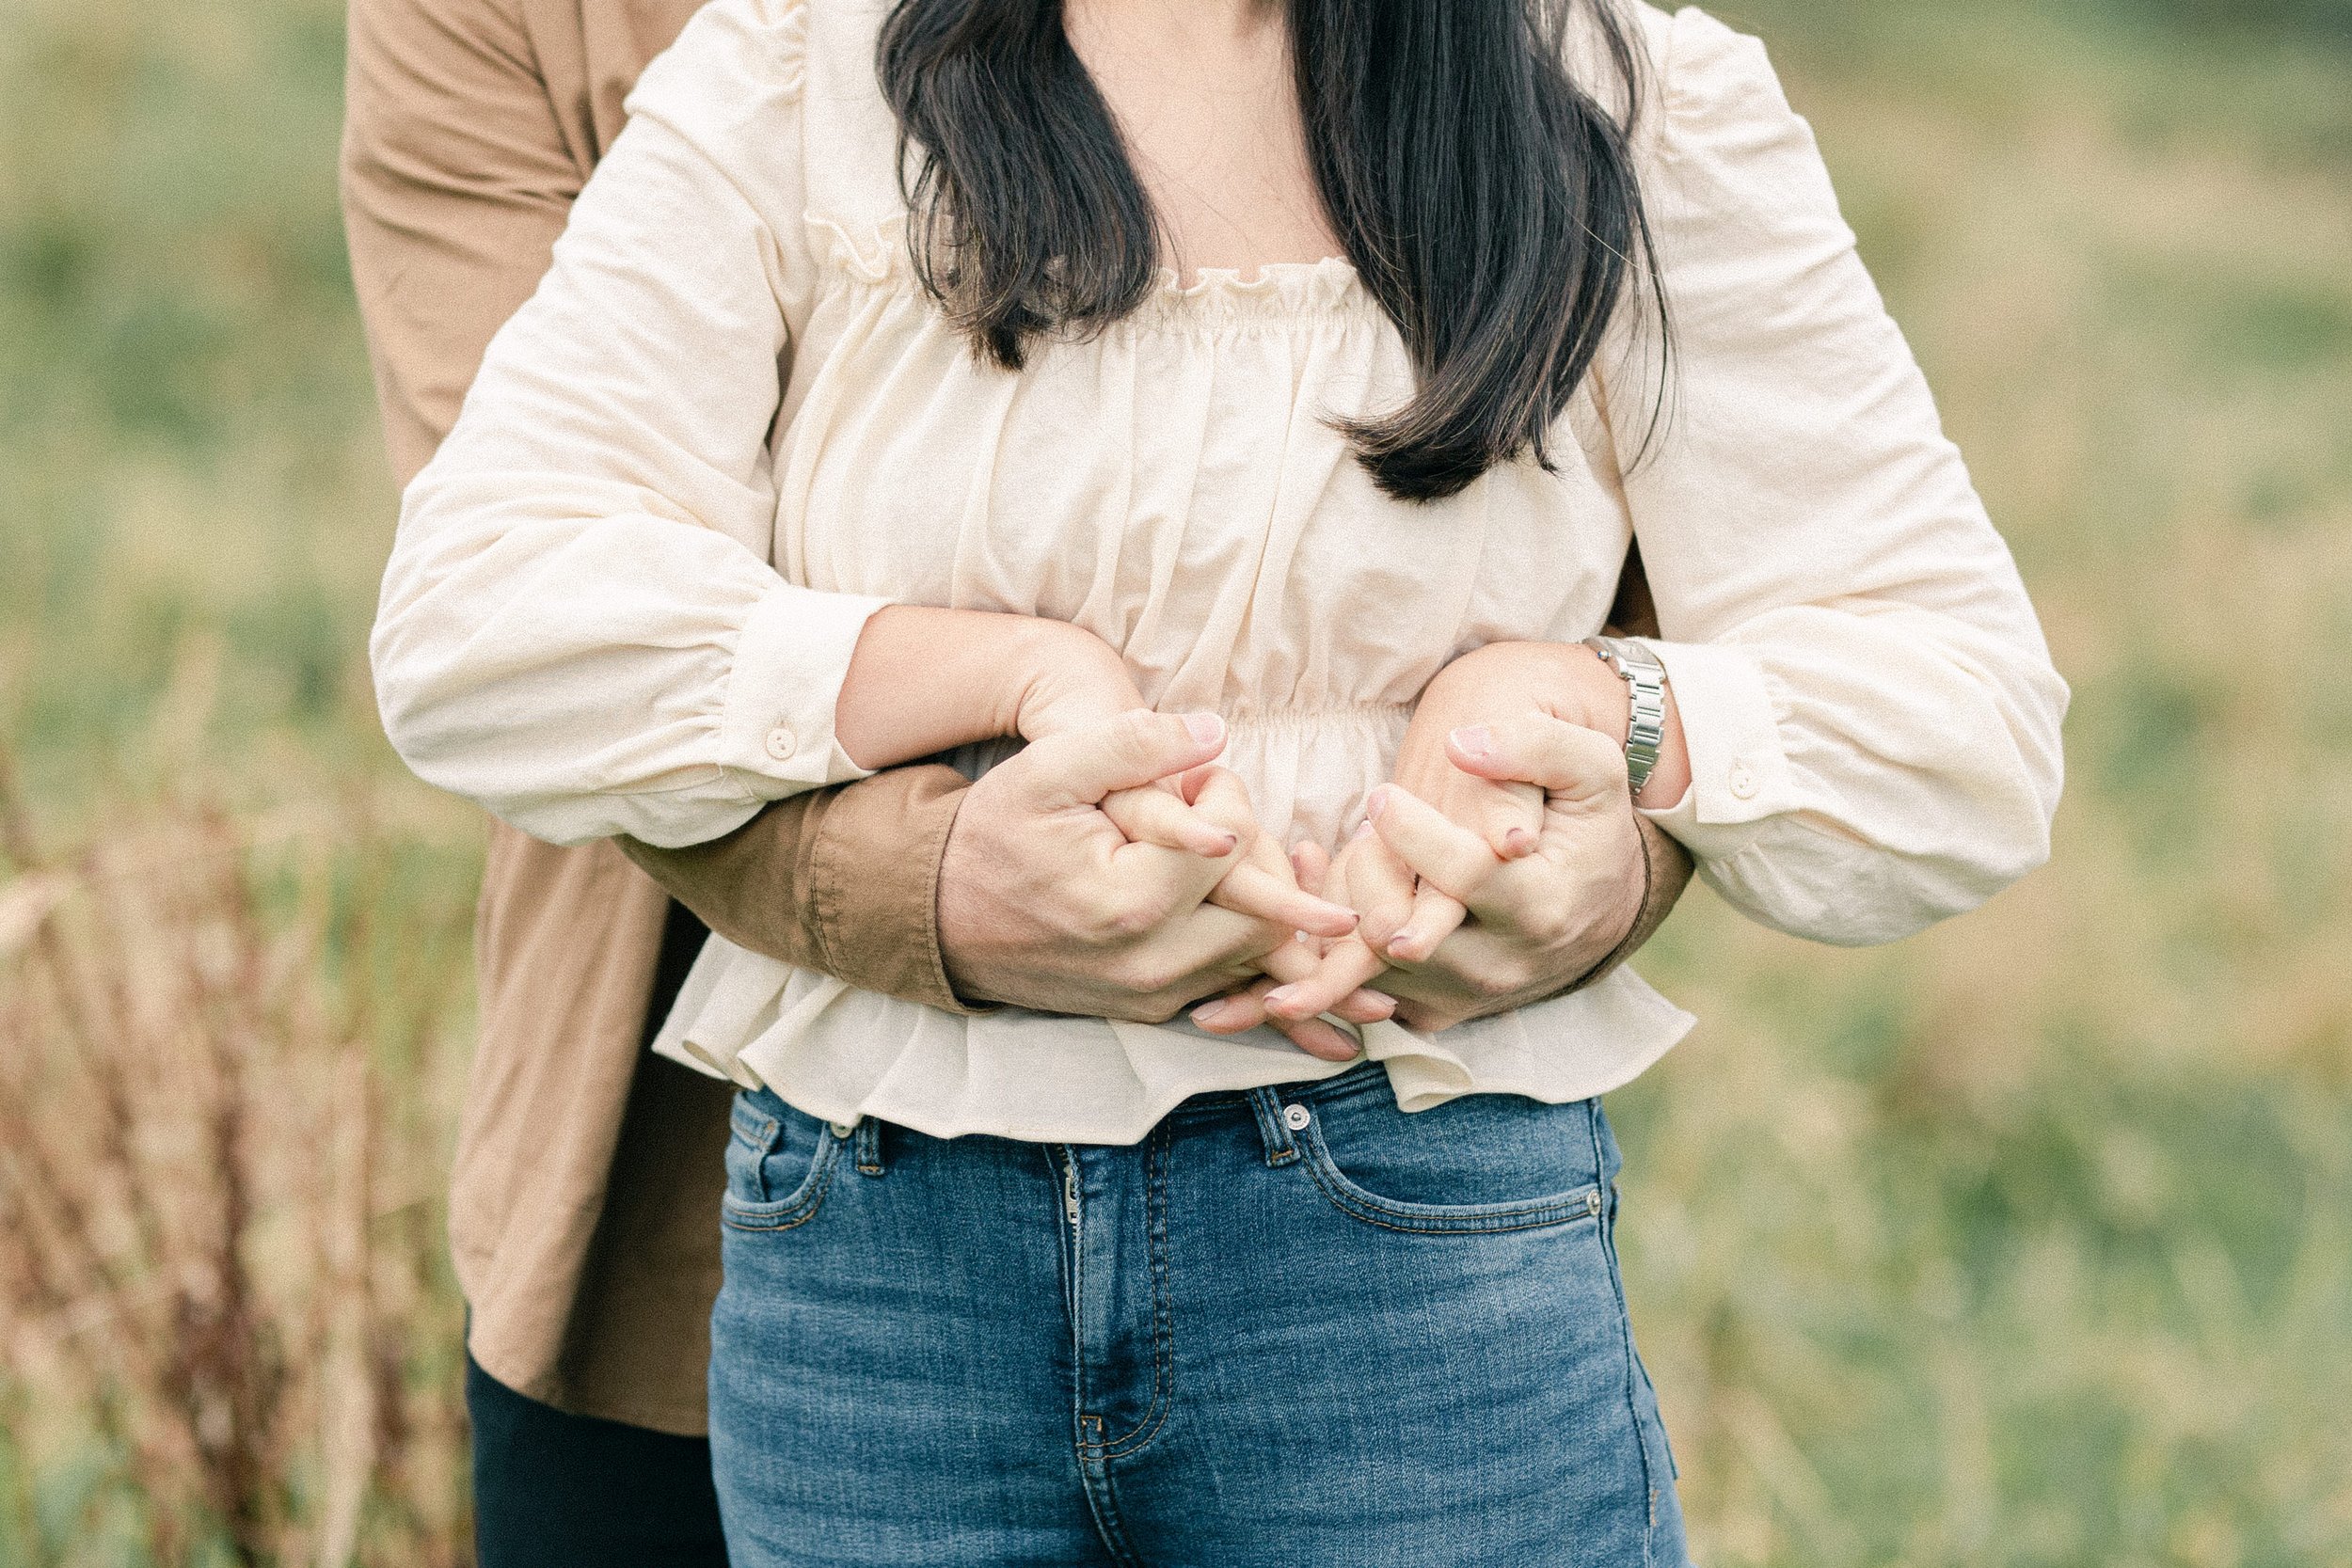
2025	1243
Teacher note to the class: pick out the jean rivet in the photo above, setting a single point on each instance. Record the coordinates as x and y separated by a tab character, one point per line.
844	1128
1294	1117
1592	1201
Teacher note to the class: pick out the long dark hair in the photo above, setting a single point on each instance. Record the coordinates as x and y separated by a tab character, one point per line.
1488	199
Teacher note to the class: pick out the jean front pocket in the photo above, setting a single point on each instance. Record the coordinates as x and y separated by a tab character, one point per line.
780	1161
1478	1164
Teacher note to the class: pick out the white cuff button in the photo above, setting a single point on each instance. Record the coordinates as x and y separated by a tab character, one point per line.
1742	781
782	743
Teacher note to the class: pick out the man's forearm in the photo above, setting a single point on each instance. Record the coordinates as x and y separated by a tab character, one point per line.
843	881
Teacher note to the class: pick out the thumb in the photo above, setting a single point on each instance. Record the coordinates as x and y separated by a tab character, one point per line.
1078	768
1564	759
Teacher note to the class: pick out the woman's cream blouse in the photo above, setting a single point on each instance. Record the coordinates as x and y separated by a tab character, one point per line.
730	425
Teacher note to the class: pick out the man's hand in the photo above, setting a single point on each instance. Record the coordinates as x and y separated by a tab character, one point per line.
1044	903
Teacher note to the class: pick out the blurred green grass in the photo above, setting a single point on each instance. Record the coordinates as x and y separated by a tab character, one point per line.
2025	1243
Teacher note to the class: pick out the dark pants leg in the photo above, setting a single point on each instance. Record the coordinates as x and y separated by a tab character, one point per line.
557	1489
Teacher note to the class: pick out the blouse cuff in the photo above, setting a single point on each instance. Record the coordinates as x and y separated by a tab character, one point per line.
1740	773
776	730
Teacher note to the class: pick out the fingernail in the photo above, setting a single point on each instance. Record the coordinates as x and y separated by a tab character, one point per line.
1377	803
1518	842
1361	828
1398	948
1386	1005
1280	996
1208	1013
1336	1041
1221	846
1474	740
1207	728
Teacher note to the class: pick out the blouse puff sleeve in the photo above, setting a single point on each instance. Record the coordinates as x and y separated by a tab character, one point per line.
579	627
1871	708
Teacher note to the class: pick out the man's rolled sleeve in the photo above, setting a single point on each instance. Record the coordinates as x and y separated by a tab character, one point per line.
807	882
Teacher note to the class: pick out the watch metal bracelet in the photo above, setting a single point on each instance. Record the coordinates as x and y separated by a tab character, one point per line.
1645	681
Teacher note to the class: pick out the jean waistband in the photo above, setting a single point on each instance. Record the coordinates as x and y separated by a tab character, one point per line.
1282	1111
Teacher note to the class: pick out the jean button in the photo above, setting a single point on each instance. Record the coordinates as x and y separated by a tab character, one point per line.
1294	1117
844	1130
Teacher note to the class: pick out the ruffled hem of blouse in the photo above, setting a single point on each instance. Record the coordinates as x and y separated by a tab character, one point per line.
840	1053
876	255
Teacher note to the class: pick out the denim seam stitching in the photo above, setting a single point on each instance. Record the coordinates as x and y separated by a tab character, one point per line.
1163	1325
793	1211
1110	1527
760	1134
1625	1338
1529	1214
1451	1228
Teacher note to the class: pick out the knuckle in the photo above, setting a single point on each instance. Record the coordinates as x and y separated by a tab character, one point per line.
1229	810
1138	732
1253	942
1547	926
1589	752
1125	1007
1130	918
1153	974
1160	1007
1495	981
1114	916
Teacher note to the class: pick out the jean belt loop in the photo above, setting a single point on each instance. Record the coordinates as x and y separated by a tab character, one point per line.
1280	1147
869	1146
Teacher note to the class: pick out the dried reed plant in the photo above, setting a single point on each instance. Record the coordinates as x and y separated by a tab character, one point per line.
218	1290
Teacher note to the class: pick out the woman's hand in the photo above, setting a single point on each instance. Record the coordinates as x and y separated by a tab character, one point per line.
1547	924
1265	884
1406	917
1537	923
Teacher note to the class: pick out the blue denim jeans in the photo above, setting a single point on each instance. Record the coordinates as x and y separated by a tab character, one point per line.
1292	1327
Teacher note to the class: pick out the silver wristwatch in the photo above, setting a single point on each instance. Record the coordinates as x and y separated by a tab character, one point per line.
1646	679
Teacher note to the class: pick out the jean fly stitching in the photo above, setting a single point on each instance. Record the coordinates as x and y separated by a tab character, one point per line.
1156	1150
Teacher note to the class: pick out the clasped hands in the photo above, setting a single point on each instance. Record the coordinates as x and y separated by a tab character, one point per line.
1112	868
